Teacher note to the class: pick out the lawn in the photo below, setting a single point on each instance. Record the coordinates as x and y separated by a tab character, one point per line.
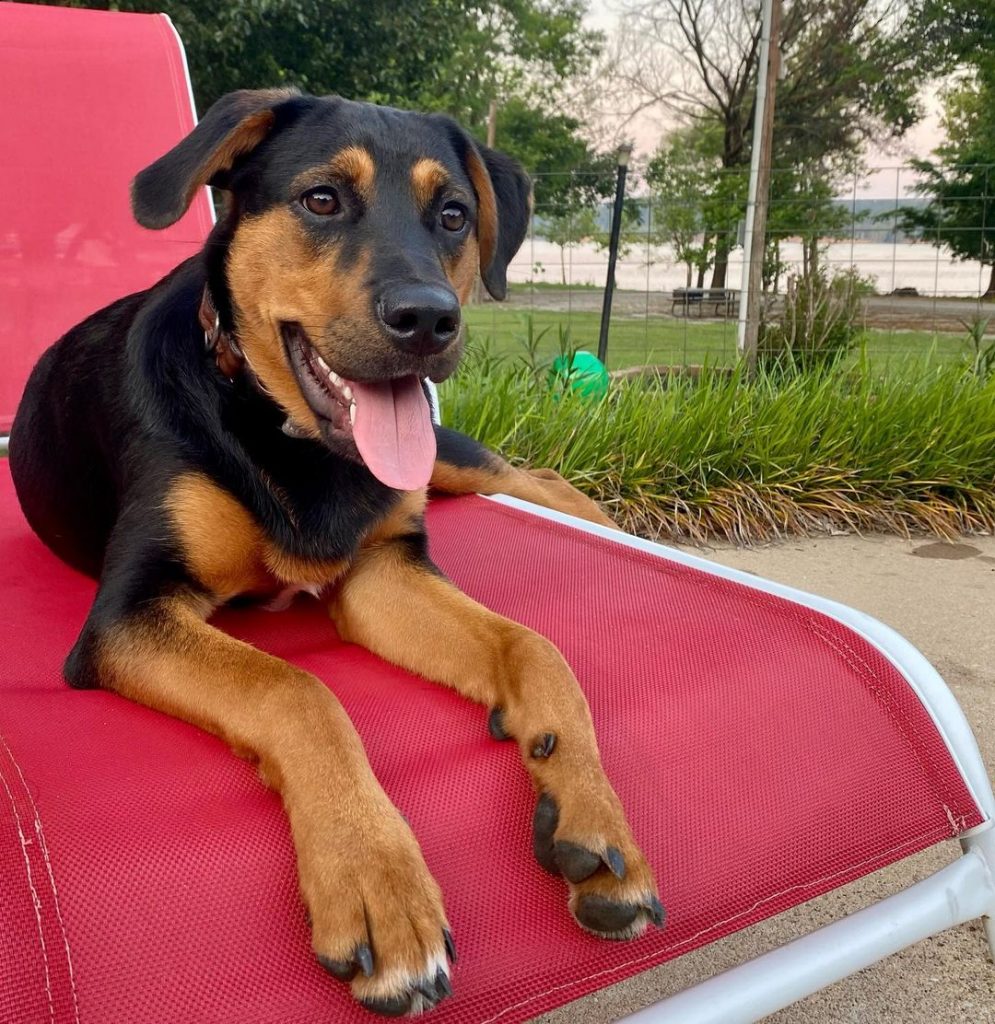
643	340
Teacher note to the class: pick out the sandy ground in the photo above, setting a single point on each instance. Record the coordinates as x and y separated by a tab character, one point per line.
942	598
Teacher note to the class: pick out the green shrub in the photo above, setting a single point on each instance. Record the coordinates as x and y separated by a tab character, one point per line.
747	460
819	324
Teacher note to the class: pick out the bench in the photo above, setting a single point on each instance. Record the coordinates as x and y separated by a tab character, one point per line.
723	300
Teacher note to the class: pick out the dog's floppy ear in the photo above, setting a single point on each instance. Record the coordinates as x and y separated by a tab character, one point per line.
232	127
504	206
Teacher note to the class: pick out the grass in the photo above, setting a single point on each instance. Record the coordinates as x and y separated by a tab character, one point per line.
846	449
652	340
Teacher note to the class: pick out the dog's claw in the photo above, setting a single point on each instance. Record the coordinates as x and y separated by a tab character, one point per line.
614	861
495	724
364	960
656	912
447	938
442	985
544	745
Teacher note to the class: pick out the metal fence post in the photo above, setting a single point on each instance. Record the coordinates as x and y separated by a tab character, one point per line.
624	152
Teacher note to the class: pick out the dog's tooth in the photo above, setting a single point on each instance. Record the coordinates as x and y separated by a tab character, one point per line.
352	413
323	364
334	378
347	393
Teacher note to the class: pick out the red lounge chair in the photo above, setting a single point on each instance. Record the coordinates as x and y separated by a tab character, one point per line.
768	745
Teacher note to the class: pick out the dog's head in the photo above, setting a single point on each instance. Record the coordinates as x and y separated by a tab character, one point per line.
353	235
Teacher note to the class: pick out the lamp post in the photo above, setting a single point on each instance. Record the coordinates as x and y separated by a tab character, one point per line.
624	152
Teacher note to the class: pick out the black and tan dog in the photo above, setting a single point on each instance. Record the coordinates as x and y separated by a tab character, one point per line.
293	452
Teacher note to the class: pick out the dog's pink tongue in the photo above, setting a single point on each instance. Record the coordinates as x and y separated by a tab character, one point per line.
394	433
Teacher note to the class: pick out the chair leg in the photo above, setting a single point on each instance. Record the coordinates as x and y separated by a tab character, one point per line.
983	844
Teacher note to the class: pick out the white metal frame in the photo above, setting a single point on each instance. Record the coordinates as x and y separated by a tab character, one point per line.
962	891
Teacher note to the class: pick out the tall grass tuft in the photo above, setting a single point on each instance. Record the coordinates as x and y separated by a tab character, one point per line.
748	460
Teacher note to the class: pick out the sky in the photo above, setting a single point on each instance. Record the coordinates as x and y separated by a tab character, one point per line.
885	178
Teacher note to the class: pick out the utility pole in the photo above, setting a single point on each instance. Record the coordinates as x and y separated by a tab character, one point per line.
748	328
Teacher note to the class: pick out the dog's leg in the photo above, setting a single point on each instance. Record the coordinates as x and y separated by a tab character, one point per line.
395	603
464	466
377	914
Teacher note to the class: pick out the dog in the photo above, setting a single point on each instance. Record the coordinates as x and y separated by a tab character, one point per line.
256	424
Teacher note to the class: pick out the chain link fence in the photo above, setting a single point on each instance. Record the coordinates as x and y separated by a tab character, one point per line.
909	279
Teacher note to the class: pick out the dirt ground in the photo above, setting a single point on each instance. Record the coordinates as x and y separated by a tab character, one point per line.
942	598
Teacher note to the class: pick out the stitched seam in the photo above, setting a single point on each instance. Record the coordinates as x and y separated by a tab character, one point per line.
51	877
905	726
35	898
937	833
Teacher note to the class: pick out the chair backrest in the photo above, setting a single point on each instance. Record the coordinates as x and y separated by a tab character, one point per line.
87	99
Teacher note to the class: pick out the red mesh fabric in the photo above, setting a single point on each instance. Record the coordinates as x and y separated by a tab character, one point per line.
88	98
765	754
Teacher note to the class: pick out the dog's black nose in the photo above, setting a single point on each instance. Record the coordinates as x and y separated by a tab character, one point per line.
421	318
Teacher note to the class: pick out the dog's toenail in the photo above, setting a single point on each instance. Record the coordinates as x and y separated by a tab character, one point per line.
656	912
544	745
447	938
442	985
495	724
615	862
364	958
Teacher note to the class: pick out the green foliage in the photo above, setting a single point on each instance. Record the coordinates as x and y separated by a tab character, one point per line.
960	181
981	362
819	324
568	175
446	55
723	456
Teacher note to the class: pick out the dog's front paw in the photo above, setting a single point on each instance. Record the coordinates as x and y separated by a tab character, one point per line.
377	919
612	891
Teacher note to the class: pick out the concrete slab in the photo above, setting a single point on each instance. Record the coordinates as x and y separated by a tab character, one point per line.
942	598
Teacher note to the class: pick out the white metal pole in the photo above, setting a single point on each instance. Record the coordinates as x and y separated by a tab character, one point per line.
751	203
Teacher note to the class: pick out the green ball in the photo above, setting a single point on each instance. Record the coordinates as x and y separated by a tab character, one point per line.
584	375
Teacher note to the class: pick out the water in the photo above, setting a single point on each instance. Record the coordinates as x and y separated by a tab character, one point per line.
930	270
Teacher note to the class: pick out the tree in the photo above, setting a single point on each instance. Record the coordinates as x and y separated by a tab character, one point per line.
568	229
684	178
448	55
851	75
960	181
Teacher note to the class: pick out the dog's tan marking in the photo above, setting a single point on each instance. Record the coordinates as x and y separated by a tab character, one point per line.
227	551
356	165
403	612
427	177
540	486
487	216
360	867
463	268
275	275
405	517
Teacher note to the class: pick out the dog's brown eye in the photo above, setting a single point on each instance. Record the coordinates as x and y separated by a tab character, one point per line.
453	218
322	201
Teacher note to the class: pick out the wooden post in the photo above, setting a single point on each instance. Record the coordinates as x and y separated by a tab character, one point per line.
759	198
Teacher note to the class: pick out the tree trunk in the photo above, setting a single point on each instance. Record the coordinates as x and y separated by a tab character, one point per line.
563	265
701	275
689	266
721	263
